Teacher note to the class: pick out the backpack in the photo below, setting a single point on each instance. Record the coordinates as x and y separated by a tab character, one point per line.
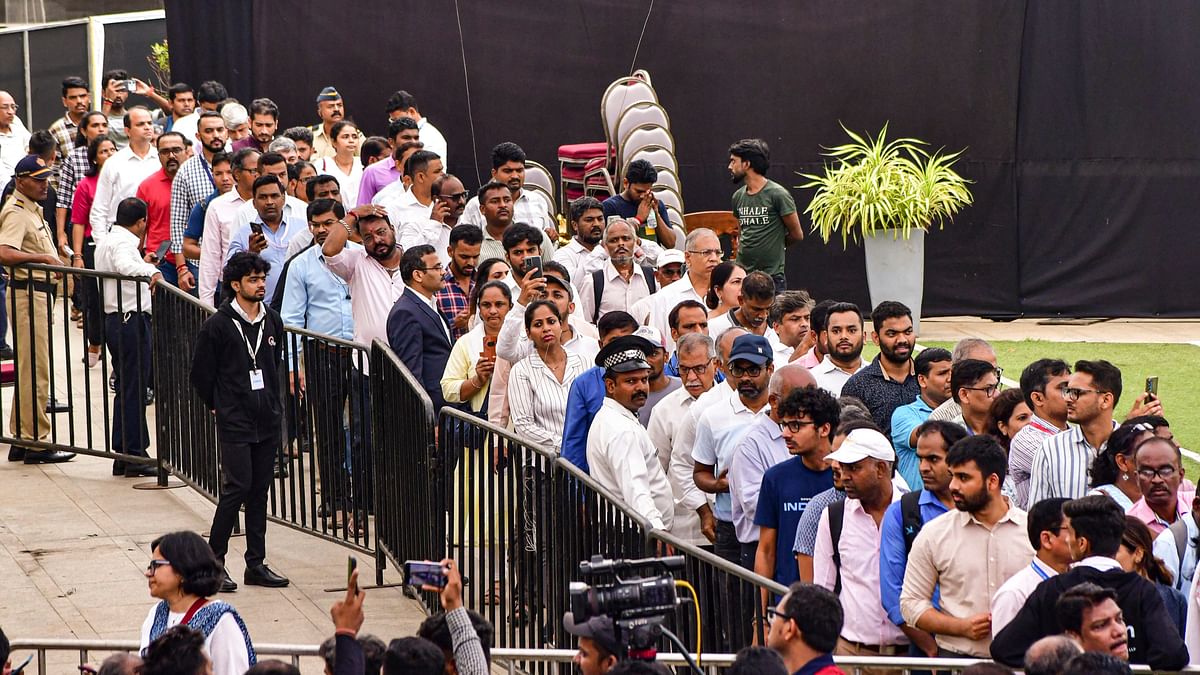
910	518
910	515
837	513
1179	531
598	287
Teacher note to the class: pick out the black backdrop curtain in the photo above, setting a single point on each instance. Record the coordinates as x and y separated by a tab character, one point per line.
1075	116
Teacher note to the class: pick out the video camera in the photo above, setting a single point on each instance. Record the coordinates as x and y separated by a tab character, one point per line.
637	605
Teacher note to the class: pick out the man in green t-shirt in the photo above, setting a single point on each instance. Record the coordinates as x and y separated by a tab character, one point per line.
765	209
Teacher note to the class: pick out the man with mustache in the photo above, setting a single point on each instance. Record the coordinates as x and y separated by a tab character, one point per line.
890	381
974	385
194	183
933	374
77	101
758	298
222	220
765	209
842	337
272	229
496	205
508	168
1094	526
1091	616
264	120
155	191
587	222
125	170
702	252
967	555
619	451
331	109
621	281
452	300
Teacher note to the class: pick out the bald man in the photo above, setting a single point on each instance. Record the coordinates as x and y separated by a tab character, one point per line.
14	137
1050	655
762	448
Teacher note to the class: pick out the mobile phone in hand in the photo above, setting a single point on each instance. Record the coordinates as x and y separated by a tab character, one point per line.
1152	387
424	573
130	86
161	252
351	565
256	228
534	262
489	348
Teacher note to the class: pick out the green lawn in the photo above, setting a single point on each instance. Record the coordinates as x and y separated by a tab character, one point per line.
1176	365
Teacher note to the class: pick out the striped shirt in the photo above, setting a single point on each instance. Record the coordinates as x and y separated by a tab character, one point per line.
1060	467
810	520
193	184
1021	450
947	411
73	168
537	401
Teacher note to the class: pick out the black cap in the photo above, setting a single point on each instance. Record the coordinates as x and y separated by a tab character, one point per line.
625	354
599	628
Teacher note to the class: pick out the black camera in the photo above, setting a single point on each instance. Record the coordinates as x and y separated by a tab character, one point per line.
637	604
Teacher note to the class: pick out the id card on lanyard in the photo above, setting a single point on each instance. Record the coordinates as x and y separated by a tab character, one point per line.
257	381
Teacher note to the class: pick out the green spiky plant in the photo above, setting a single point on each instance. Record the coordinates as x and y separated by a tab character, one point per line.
875	184
159	59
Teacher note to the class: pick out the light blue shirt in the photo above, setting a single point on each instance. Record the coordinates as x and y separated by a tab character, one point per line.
1165	549
904	420
315	298
893	558
719	430
277	245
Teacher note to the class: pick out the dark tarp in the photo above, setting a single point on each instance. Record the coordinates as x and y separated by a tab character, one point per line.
1074	115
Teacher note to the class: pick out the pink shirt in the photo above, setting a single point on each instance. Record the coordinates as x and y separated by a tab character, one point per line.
810	359
373	291
865	619
376	177
1143	512
81	204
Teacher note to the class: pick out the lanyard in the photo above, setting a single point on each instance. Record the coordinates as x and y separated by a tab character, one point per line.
208	171
1042	428
253	351
192	611
1039	571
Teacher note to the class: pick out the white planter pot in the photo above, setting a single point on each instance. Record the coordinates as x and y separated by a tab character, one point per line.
896	270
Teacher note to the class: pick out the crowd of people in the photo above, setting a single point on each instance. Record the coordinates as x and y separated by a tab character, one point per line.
941	511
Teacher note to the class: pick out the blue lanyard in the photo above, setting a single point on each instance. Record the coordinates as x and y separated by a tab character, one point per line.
208	171
1039	571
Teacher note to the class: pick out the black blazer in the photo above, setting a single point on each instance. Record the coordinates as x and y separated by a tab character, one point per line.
419	337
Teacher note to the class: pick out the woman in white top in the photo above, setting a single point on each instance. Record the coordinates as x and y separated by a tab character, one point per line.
183	574
345	165
725	289
538	384
469	370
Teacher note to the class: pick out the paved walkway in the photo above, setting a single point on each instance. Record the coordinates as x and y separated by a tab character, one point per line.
74	542
1116	330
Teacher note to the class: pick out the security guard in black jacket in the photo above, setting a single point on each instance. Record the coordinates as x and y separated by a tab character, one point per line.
237	370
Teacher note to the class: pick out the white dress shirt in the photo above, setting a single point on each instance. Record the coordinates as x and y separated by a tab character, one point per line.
618	294
414	227
119	253
831	378
119	179
393	198
665	423
433	140
719	430
723	322
14	145
661	303
1011	597
622	458
572	257
687	495
220	222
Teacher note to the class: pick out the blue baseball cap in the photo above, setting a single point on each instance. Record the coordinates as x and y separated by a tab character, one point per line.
753	348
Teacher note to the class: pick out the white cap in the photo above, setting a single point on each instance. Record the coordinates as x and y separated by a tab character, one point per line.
861	444
652	334
670	257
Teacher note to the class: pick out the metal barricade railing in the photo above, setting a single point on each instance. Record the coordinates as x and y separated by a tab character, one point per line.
57	402
409	521
325	430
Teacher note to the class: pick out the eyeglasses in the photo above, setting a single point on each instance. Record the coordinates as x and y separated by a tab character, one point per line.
155	564
436	268
456	197
1163	472
694	370
795	426
171	151
708	252
772	613
988	391
1073	393
671	272
741	371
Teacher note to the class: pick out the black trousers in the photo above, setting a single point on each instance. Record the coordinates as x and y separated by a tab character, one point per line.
128	339
343	449
88	291
738	596
247	470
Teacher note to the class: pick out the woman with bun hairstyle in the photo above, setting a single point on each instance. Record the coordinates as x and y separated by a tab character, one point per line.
183	574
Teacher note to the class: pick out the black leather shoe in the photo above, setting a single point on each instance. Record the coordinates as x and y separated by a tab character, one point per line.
140	471
148	398
118	468
261	575
47	456
228	585
56	406
7	353
16	453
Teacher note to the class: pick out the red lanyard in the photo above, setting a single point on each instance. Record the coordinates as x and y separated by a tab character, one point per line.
1044	429
192	611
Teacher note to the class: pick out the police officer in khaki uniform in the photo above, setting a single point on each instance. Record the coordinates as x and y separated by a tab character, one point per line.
25	238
